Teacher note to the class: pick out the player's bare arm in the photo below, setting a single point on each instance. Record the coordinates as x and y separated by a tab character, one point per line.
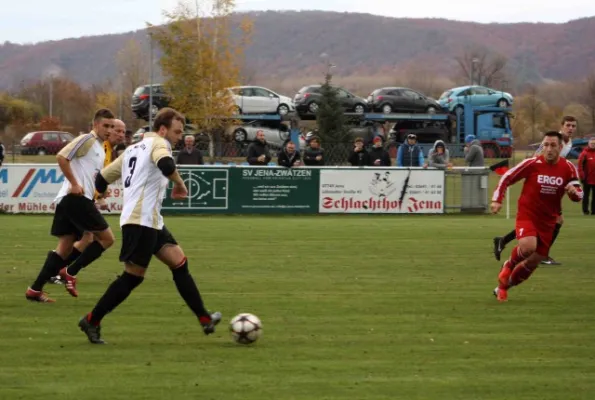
108	175
161	156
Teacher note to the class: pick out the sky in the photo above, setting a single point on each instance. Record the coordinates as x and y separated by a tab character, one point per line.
31	21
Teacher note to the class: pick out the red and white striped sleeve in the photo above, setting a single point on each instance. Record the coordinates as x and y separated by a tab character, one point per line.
513	175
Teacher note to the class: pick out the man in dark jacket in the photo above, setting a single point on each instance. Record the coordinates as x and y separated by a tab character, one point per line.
314	154
258	151
473	152
1	153
378	156
410	153
189	155
288	156
359	156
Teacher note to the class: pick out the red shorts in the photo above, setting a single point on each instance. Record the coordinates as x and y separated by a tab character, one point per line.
543	232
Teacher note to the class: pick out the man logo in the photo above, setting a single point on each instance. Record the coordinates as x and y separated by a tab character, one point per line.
35	176
550	180
381	185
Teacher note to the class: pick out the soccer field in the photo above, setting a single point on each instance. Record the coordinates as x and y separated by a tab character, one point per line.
353	307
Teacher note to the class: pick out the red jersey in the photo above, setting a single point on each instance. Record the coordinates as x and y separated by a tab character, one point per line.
586	166
543	190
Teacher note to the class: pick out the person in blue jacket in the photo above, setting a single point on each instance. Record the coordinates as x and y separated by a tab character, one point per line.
410	154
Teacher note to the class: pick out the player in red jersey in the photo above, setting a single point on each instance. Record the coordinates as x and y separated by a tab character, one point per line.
547	178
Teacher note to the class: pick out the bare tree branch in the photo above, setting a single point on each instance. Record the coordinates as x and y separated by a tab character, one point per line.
481	67
588	97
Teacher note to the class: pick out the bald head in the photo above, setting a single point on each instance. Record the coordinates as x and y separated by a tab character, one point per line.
119	131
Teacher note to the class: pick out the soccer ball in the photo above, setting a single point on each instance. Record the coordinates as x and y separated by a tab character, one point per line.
245	328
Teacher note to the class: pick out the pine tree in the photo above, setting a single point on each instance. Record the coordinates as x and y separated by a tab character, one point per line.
331	122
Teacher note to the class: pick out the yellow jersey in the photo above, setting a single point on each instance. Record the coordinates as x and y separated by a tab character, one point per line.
109	154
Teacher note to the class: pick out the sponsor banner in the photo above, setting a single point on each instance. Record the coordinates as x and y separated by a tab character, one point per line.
246	190
32	188
382	191
275	190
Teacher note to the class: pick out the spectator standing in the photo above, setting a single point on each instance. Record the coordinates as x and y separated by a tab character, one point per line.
359	156
439	156
259	152
119	149
410	153
289	156
378	156
2	149
189	155
586	170
314	154
473	152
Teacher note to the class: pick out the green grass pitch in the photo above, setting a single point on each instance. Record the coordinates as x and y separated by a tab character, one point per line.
353	307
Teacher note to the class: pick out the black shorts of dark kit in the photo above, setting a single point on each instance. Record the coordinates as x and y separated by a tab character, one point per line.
140	243
75	215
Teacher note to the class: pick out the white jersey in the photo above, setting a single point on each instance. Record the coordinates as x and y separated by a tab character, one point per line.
86	156
143	182
563	153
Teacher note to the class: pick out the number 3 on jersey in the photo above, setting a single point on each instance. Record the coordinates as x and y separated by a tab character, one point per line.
131	165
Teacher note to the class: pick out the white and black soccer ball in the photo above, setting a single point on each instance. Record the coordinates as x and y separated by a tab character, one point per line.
245	328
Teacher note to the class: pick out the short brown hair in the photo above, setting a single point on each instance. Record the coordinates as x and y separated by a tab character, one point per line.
568	118
165	117
103	113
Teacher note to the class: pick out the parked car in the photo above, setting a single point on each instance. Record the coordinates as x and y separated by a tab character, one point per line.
141	100
453	99
260	100
45	142
307	100
400	99
275	132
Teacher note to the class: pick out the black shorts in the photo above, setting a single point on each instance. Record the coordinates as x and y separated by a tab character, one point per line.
140	243
76	214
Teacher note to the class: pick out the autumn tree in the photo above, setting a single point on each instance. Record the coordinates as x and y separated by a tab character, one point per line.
73	105
532	109
421	79
17	114
108	98
588	97
201	57
133	71
479	66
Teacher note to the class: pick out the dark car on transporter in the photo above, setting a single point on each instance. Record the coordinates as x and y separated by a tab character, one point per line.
401	99
141	99
307	100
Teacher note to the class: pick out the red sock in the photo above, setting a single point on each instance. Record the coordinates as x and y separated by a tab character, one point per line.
91	320
520	273
516	256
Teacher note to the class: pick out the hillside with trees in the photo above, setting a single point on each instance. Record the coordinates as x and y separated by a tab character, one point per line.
289	44
546	67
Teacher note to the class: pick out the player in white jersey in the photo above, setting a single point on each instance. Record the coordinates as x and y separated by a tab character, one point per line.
80	161
567	129
145	169
74	264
